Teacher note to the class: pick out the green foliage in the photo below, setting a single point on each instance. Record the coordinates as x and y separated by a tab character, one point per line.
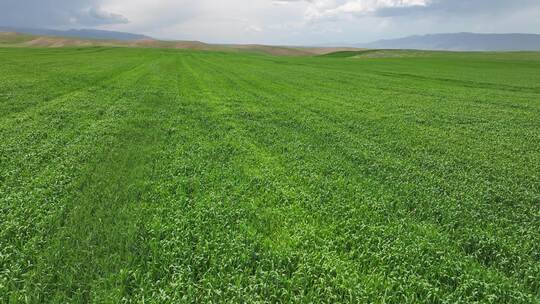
163	176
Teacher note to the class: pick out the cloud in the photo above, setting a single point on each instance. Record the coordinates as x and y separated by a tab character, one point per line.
294	22
461	8
254	28
98	16
324	10
335	9
56	13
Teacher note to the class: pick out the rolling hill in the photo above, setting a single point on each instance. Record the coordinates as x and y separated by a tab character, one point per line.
16	39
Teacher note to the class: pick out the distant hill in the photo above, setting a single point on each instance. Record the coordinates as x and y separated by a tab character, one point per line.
16	39
82	33
462	42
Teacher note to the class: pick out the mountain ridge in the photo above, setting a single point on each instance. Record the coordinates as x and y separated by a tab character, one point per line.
463	41
77	33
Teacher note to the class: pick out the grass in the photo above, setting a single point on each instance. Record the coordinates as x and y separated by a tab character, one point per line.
163	176
349	54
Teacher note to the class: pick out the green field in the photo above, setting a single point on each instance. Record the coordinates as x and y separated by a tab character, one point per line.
165	176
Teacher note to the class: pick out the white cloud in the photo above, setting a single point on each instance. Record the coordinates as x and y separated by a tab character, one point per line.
254	28
333	9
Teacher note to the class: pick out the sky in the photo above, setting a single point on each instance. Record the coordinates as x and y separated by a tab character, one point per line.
283	22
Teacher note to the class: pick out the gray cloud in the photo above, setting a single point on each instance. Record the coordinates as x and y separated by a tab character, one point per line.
333	10
56	13
97	16
292	22
461	8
